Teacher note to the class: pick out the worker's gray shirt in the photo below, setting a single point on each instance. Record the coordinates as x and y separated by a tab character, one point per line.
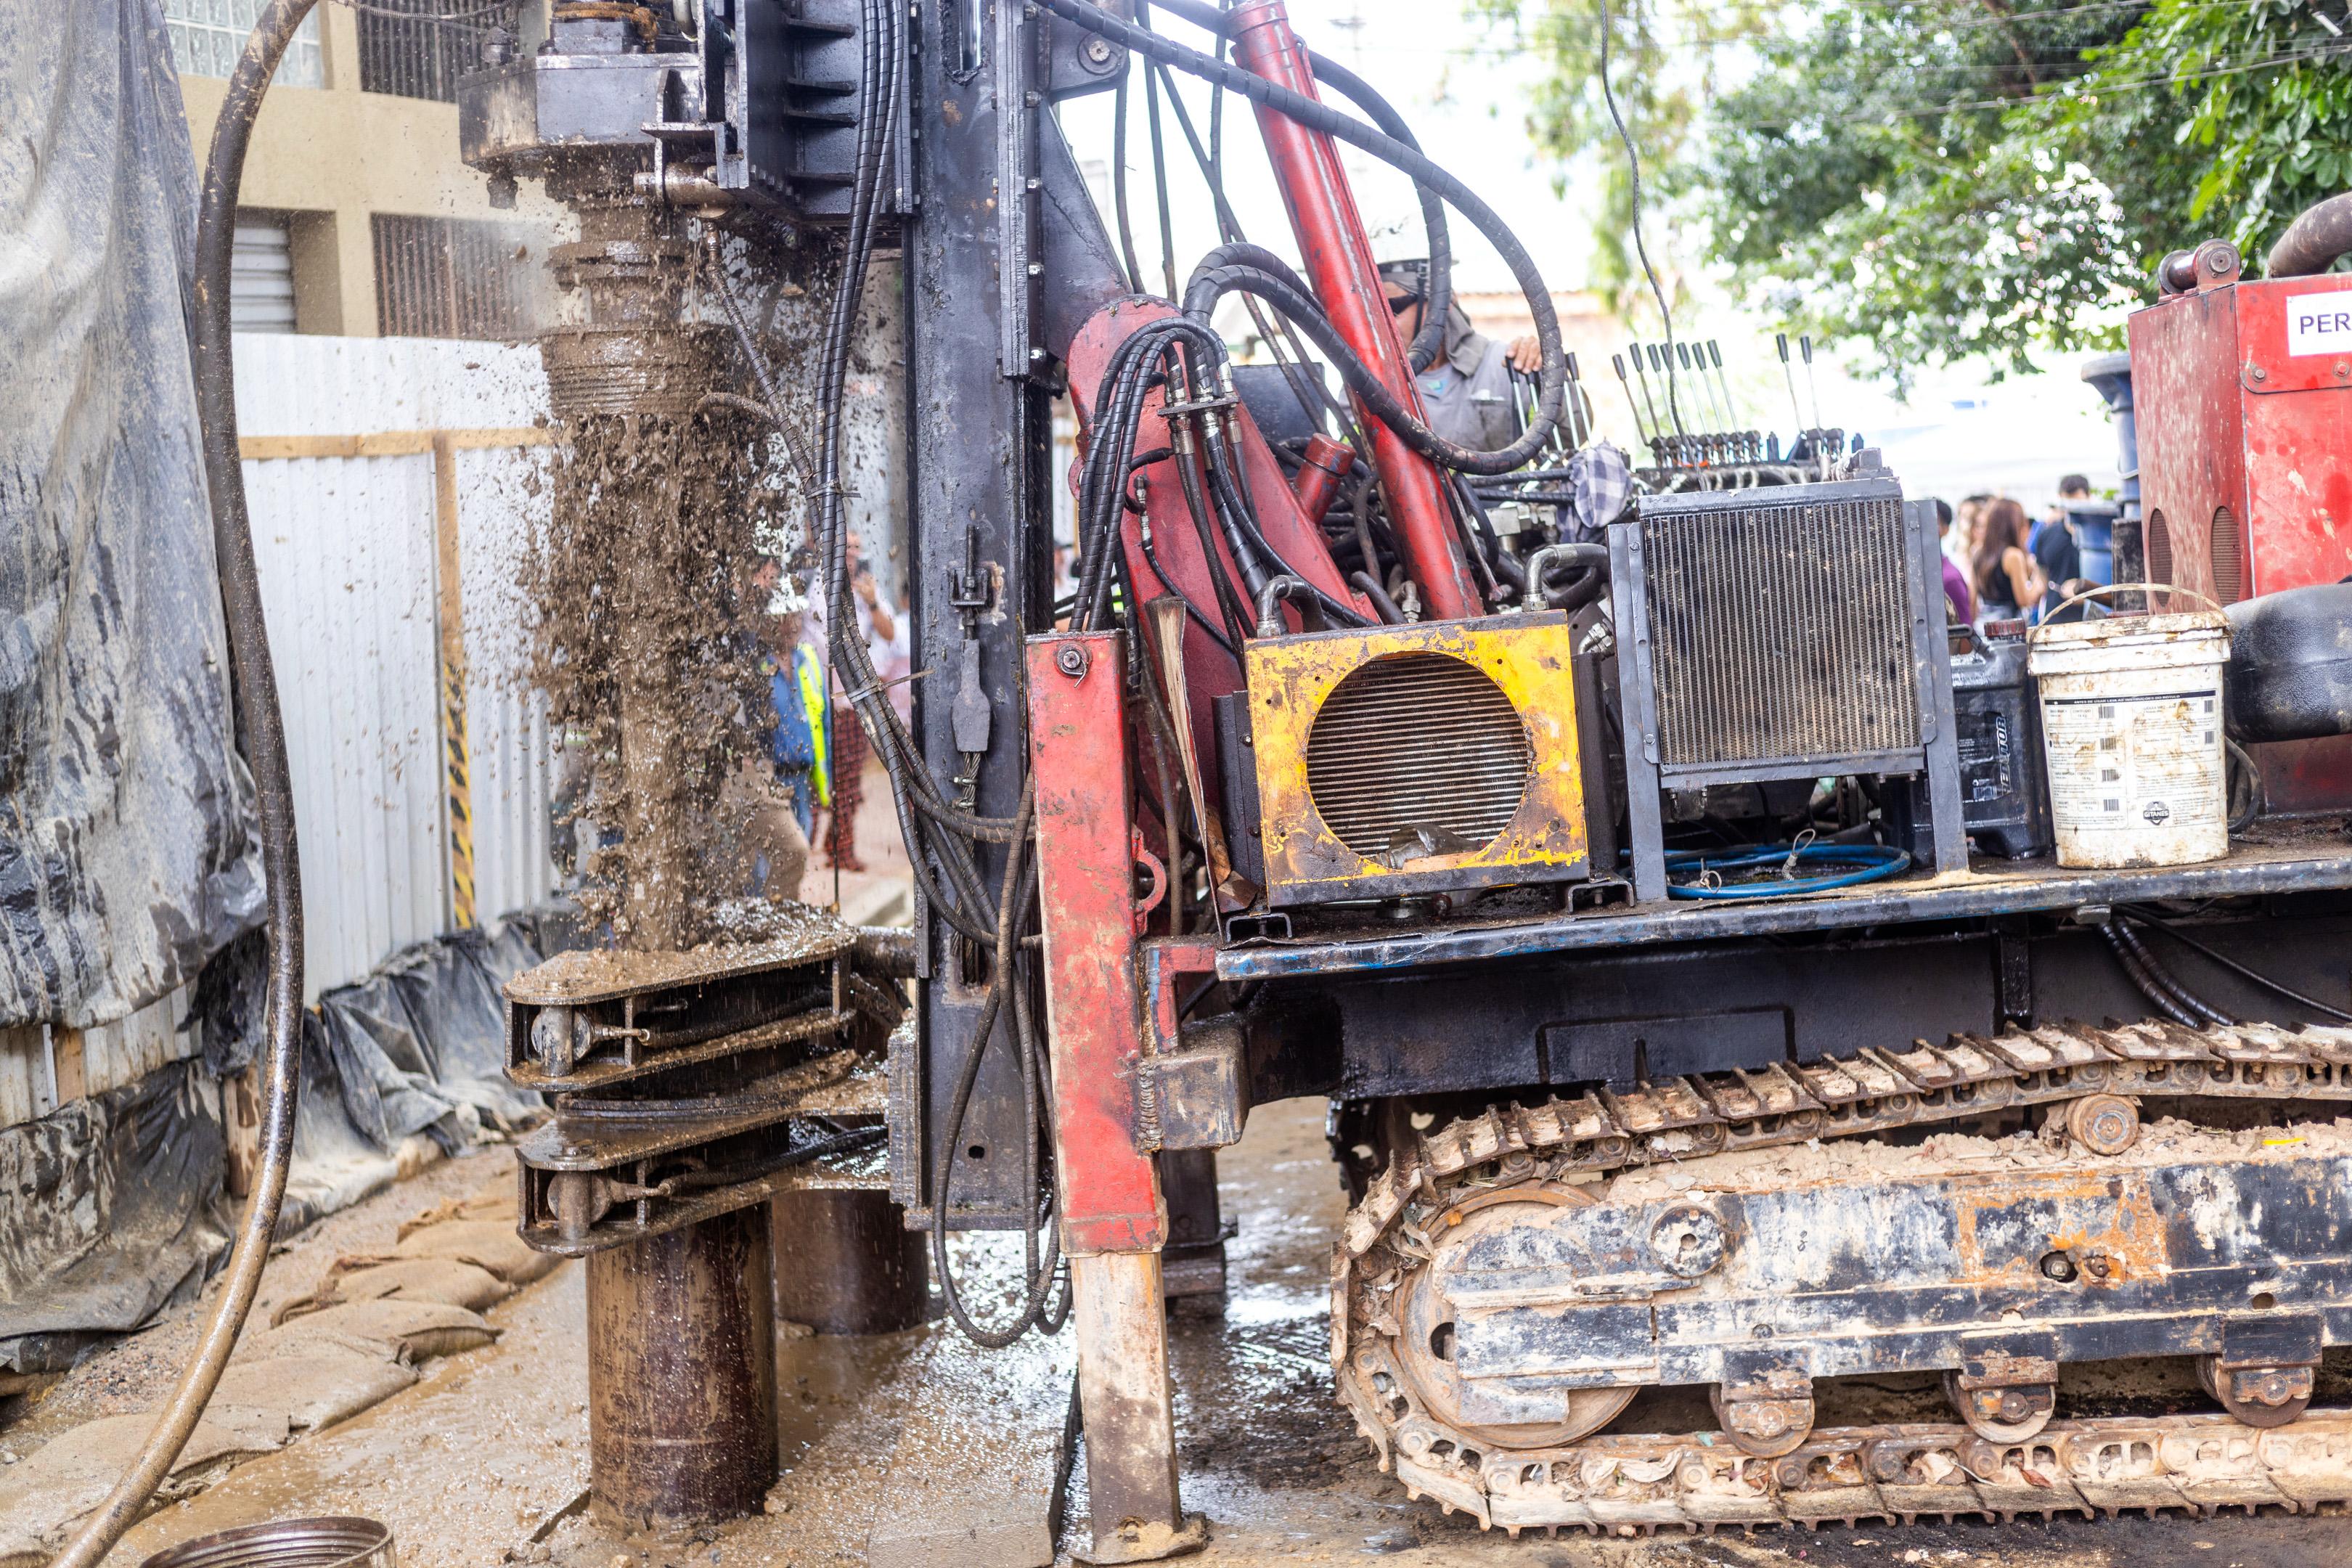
1468	394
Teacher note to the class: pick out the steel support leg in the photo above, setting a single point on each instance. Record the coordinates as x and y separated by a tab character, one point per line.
1114	1221
1128	1408
846	1263
682	1373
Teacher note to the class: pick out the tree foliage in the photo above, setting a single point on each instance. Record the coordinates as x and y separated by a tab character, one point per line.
1943	178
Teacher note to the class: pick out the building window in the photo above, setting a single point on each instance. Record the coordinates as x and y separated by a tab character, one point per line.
261	274
456	277
424	57
207	36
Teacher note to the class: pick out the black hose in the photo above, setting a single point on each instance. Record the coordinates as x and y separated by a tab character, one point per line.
2146	982
757	360
2166	978
2240	971
1193	611
1119	183
2313	241
1226	484
1312	399
2240	768
1430	342
265	748
1289	293
1372	589
1004	983
1317	116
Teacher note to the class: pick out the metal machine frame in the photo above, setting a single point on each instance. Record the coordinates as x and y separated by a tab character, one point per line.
1014	291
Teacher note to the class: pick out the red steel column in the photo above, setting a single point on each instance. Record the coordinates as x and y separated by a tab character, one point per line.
1113	1220
1086	884
1338	256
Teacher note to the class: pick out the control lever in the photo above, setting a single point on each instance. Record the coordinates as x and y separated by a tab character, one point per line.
971	716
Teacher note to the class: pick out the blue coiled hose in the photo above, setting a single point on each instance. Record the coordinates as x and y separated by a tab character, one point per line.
1860	862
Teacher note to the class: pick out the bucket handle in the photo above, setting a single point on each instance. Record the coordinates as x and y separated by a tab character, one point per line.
2118	588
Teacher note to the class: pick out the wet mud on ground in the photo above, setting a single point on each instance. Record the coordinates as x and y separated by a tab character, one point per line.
490	1449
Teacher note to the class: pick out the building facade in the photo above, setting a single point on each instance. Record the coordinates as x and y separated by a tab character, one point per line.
359	218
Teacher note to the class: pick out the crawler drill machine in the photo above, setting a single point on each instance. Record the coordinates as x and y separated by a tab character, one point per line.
1660	894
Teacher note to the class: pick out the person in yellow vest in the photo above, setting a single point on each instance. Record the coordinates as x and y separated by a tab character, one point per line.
762	816
800	747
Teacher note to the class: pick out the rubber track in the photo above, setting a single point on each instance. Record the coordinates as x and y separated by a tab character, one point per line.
1637	1485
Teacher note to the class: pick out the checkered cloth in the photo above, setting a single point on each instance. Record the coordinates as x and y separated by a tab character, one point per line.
1602	479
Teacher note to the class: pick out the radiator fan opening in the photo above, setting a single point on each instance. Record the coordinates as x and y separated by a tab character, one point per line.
1417	754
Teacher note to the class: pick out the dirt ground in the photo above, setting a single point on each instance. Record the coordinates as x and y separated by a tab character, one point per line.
485	1459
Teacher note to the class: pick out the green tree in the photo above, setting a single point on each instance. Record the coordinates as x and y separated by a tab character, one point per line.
1665	62
1941	178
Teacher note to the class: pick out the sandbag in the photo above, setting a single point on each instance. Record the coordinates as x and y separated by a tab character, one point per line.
313	1389
487	1244
442	1279
392	1327
41	1498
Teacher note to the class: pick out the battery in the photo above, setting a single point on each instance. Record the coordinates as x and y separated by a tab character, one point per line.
1997	719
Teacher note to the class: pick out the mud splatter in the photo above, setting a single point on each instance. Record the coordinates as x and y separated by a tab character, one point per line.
648	640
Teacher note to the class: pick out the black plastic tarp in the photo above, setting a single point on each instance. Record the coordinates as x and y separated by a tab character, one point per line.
113	1206
127	854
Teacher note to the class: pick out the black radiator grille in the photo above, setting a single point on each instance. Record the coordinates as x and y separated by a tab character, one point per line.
1780	631
1414	754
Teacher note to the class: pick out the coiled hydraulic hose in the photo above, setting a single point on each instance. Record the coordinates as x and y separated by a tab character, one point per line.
1430	342
265	745
1552	382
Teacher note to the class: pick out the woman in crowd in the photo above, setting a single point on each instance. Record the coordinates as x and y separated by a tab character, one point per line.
2007	579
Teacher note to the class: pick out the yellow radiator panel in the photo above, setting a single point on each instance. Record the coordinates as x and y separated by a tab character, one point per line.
1418	759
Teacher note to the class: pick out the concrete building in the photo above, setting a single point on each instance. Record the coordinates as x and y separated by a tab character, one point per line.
359	218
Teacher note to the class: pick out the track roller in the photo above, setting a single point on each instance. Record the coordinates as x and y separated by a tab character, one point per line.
2005	1398
2103	1123
1768	1418
2257	1396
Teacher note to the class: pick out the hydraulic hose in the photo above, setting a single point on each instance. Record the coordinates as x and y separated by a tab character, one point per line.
265	746
1553	383
1428	342
2240	971
2313	240
2146	982
1289	293
2164	977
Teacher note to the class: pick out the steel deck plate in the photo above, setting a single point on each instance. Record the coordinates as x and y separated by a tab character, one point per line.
1993	887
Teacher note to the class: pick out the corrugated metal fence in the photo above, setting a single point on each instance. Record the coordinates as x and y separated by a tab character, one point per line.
395	484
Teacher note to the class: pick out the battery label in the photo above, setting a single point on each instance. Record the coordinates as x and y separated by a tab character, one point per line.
2136	763
2319	323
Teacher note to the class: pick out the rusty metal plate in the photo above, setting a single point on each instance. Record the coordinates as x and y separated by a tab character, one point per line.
1527	658
585	976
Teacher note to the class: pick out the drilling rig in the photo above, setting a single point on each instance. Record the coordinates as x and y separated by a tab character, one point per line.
1629	884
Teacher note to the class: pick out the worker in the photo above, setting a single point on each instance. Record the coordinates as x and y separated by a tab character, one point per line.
2007	579
849	752
798	747
757	814
1467	387
1956	581
2056	549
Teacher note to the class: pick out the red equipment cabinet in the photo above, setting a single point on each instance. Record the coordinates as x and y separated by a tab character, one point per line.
2244	402
2243	394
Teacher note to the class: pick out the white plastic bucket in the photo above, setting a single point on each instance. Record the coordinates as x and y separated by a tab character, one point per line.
2131	725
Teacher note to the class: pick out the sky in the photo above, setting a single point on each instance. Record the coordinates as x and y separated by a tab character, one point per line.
1958	434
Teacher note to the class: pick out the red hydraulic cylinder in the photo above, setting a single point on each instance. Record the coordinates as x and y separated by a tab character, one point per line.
1339	257
1321	468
